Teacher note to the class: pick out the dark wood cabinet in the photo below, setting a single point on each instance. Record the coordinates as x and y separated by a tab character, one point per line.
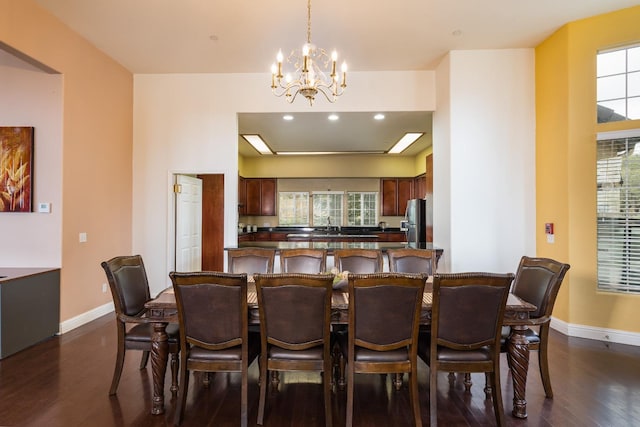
419	187
242	196
395	192
392	236
260	196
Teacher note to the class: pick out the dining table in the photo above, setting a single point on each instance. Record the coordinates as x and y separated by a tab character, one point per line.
162	310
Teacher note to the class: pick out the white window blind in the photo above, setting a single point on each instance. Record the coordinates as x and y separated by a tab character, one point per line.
618	206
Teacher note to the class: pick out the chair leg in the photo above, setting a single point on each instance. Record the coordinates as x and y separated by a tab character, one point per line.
498	407
117	372
243	394
175	360
544	362
342	362
264	384
467	381
350	386
487	386
413	395
433	395
326	381
144	360
184	385
397	381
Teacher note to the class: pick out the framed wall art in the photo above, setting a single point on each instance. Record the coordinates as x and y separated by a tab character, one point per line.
16	169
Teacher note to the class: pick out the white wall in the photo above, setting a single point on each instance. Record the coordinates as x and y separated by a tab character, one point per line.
30	97
486	132
188	123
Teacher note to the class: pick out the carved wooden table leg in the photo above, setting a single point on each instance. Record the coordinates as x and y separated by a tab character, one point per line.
518	354
159	353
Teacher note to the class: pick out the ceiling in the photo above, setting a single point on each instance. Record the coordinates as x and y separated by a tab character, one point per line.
243	36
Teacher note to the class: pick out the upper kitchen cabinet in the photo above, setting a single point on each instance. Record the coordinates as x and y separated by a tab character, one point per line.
395	192
242	196
261	196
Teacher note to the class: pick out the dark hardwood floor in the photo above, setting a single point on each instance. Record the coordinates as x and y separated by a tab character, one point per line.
64	382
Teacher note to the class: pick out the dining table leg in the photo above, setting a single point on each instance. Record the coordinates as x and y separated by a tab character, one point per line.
518	354
159	355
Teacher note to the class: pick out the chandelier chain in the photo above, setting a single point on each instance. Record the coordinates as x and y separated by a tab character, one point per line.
309	21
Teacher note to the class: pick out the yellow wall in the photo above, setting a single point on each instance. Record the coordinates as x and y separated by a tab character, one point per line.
565	163
97	148
338	166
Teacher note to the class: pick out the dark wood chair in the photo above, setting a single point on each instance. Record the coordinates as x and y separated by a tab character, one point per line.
360	261
303	260
466	326
250	260
410	260
129	286
295	320
214	337
538	281
384	315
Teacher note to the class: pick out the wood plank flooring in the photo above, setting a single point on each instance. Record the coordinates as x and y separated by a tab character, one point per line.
64	382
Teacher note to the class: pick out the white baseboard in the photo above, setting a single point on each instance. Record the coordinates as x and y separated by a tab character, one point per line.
594	333
85	317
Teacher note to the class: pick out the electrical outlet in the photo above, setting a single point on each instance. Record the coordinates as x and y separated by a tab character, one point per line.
104	288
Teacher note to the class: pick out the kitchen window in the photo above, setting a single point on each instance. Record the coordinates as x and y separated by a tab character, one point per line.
618	84
618	211
327	208
362	208
293	208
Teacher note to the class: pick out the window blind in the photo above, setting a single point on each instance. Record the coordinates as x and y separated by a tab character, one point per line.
618	211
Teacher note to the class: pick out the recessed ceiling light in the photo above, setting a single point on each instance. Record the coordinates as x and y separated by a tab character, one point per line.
379	116
405	141
257	143
333	117
287	117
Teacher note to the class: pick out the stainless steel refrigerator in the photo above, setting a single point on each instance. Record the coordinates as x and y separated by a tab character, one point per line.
418	223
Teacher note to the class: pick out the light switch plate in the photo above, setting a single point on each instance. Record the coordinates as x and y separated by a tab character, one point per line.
551	238
83	237
44	207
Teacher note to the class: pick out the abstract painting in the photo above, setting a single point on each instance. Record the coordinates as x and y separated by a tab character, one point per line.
16	168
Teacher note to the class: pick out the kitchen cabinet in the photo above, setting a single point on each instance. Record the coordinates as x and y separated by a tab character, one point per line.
394	195
242	196
419	187
261	196
392	236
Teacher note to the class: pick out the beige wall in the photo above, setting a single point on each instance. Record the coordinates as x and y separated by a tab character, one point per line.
566	165
97	127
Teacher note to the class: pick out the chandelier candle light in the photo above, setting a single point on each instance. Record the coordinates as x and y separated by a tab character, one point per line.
312	67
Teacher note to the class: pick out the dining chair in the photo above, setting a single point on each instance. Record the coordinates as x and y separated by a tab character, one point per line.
466	321
411	260
384	314
250	260
214	337
359	261
295	319
538	281
129	286
303	260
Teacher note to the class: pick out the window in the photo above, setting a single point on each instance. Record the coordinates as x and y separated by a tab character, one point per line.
293	208
362	208
327	208
618	207
618	86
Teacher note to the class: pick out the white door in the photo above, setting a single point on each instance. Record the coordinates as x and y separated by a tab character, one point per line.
188	223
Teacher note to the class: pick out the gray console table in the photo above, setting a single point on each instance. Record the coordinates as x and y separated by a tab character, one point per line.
29	307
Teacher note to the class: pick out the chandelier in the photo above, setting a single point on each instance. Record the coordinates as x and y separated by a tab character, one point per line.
314	71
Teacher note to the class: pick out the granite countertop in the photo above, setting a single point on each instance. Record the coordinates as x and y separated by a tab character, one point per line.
330	246
9	273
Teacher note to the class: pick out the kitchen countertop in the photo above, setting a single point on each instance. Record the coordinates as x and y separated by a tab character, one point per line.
10	273
330	246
